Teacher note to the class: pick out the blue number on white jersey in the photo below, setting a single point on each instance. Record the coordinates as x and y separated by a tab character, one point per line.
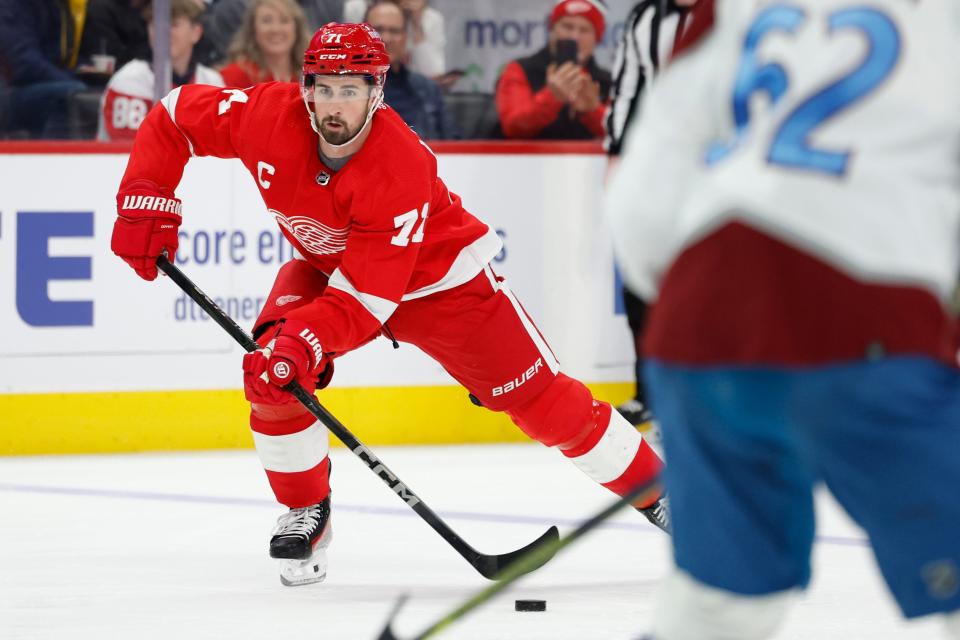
791	146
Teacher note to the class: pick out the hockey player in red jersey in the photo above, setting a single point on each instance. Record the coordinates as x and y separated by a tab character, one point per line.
382	247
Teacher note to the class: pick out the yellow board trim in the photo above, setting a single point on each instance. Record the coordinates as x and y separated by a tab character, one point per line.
63	423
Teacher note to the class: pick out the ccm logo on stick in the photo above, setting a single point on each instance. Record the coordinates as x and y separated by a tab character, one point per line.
381	470
516	382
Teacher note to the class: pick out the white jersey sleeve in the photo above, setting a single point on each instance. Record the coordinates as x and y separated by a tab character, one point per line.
829	124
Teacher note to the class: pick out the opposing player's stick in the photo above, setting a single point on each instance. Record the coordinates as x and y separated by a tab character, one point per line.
489	566
536	558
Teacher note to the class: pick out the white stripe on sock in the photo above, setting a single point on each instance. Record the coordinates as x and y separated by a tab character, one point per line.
612	455
295	452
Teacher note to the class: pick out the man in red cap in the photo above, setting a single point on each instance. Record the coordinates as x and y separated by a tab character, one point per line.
558	93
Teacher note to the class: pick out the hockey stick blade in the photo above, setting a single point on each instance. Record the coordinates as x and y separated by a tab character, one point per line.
522	565
489	566
492	567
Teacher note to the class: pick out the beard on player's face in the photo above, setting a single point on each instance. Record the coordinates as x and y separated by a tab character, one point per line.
335	129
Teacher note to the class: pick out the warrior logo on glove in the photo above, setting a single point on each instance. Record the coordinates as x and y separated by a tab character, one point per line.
281	371
151	203
146	226
293	352
314	344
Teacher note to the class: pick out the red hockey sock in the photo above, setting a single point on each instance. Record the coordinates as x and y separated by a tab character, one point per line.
615	454
592	435
294	452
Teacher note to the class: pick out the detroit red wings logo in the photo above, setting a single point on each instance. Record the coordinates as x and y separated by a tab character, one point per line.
317	238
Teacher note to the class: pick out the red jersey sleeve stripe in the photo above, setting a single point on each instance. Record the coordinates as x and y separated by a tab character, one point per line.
379	308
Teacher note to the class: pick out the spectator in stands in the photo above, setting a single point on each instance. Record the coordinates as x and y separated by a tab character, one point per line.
539	97
427	34
223	20
269	45
425	30
415	97
38	50
129	94
115	28
355	10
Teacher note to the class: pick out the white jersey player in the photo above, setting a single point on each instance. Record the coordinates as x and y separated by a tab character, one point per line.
791	200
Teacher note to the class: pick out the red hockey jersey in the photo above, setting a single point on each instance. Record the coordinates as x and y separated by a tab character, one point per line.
384	228
129	96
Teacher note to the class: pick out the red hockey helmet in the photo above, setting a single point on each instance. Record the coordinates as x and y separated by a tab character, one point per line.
339	49
345	49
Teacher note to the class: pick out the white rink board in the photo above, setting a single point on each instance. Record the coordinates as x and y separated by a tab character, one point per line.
124	334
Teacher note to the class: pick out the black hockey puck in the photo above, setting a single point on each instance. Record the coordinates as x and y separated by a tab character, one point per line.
530	605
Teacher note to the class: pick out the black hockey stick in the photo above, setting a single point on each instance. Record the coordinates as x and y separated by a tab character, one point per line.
536	558
489	566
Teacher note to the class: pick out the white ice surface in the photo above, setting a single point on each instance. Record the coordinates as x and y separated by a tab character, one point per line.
173	546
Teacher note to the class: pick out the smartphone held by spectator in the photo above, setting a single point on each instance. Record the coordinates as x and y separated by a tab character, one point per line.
558	93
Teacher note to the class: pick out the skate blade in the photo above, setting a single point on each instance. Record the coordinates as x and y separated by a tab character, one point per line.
296	573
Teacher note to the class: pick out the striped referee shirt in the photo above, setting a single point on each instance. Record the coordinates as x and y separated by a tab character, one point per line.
648	36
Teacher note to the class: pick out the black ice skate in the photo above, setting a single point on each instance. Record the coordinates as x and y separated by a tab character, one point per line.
635	412
300	541
658	513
